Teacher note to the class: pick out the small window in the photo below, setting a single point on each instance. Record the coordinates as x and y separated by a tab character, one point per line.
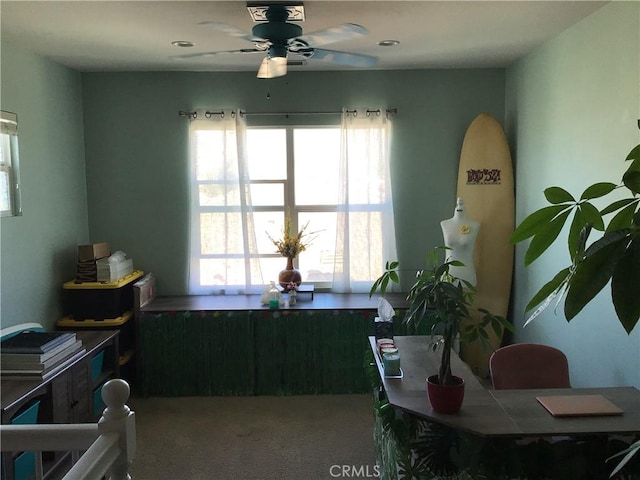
9	166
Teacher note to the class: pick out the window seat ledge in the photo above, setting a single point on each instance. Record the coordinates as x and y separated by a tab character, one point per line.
321	301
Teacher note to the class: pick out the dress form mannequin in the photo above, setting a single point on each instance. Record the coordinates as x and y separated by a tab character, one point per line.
460	235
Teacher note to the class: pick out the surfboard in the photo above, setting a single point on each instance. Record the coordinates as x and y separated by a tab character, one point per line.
485	183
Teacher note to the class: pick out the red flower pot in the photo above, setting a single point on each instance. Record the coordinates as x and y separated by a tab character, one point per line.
445	398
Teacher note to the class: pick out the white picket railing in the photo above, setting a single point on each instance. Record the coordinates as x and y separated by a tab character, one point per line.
109	445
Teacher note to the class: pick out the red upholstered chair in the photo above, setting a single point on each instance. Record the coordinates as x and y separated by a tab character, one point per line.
529	365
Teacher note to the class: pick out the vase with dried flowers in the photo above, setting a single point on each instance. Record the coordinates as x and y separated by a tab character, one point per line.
290	246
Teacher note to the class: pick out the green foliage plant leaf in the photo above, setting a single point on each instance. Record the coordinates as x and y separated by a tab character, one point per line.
628	454
557	295
617	205
591	276
624	286
390	275
607	239
591	215
557	195
535	222
577	225
631	179
549	288
598	190
624	218
545	237
634	154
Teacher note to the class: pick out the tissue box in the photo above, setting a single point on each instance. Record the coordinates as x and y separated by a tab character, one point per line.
383	328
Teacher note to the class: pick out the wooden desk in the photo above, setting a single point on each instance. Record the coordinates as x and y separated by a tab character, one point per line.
531	418
499	413
16	392
65	397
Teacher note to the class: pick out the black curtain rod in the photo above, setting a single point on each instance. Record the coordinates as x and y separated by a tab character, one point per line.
209	114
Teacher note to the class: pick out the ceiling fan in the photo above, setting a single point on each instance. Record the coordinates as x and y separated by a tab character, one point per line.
277	37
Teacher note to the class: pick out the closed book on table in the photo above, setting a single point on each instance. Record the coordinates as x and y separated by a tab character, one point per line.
578	405
9	355
46	373
35	342
15	361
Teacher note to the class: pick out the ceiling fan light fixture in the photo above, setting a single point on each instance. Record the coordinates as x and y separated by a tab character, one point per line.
272	67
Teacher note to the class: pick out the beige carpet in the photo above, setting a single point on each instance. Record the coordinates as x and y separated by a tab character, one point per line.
261	438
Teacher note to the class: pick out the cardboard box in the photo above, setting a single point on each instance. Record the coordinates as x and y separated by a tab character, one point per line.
93	251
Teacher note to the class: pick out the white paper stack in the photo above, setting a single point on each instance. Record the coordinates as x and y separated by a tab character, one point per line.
114	267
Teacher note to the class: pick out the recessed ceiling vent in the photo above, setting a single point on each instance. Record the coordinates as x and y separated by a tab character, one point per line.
296	63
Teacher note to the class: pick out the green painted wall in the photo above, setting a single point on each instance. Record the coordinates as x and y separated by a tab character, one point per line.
136	147
572	108
38	249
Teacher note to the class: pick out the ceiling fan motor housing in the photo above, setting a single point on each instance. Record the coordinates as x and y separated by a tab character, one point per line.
276	29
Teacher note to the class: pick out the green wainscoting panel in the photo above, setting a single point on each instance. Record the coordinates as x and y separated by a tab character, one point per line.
197	353
311	351
262	352
256	352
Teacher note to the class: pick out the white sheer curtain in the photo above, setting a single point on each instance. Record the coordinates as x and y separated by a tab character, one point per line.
223	251
365	237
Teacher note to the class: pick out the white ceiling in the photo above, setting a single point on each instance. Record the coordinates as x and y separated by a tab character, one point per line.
137	35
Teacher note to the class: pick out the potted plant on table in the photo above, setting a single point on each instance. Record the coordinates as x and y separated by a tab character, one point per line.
442	301
290	246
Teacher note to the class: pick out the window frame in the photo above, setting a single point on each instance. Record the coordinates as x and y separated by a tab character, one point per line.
10	163
289	187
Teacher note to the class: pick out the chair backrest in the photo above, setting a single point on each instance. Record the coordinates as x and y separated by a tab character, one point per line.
529	365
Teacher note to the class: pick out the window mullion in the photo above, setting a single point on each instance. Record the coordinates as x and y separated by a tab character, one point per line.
289	186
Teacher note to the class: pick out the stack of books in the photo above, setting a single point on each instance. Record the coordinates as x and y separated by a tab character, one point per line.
38	355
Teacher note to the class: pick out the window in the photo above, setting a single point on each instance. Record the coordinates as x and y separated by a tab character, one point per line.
297	174
297	170
9	166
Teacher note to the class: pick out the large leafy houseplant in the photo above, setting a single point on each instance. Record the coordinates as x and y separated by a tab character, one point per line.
614	257
442	301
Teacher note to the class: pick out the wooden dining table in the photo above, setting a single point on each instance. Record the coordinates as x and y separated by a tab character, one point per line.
499	413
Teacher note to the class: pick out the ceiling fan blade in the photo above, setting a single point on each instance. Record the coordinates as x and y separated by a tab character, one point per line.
211	54
272	67
338	33
344	58
232	31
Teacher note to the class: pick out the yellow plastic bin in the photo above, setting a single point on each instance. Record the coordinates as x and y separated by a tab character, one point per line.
123	323
100	301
